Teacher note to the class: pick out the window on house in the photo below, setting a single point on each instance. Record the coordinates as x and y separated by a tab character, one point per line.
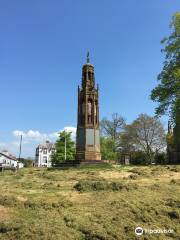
45	151
44	159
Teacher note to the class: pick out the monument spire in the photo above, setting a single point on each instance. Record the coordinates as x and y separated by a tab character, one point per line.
88	59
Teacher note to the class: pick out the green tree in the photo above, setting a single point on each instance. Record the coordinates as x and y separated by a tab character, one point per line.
110	133
27	162
108	149
167	93
145	135
63	153
138	157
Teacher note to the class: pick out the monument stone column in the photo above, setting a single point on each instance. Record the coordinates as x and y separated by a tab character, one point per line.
88	139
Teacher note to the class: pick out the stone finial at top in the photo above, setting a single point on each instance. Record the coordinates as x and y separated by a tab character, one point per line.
88	59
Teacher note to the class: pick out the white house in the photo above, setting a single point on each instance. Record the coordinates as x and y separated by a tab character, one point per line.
20	165
43	154
8	161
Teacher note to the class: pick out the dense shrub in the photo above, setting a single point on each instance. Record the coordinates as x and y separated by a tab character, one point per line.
47	206
160	158
9	201
4	228
87	186
140	172
175	181
173	203
138	158
133	176
174	215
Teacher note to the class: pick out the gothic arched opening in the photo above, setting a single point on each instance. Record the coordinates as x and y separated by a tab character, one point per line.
89	110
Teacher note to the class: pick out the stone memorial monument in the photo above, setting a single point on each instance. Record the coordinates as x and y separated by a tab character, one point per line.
87	139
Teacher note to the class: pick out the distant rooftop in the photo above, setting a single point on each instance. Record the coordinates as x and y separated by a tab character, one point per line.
8	155
47	145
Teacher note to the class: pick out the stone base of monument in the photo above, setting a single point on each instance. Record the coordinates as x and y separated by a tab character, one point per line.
84	156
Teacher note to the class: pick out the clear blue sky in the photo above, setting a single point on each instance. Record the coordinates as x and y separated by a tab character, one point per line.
43	46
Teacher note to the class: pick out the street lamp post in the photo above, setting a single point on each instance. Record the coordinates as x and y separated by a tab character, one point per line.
65	147
20	147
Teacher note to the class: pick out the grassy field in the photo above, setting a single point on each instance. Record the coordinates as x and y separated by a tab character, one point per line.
90	203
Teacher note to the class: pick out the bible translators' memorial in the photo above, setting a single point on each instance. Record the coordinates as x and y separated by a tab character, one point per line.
88	139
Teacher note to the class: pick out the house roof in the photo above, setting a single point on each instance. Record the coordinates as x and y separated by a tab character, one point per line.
9	157
47	145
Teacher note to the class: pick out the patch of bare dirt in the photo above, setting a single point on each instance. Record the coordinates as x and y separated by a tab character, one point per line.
4	214
113	174
22	199
174	175
76	197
